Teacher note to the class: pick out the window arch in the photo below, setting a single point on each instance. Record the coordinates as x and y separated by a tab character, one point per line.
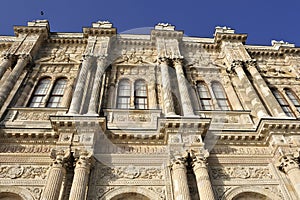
282	102
124	92
39	94
204	96
57	93
293	98
220	96
140	95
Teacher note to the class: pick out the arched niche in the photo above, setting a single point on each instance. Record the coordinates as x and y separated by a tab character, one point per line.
131	193
14	193
250	193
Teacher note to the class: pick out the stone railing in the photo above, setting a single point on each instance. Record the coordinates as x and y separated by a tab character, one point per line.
132	119
227	119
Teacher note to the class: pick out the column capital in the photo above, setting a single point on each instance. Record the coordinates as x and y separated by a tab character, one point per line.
178	61
288	162
163	60
24	57
178	162
60	157
83	158
251	63
87	57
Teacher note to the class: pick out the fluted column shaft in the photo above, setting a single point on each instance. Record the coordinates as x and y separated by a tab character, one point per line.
5	64
183	90
166	86
265	90
55	177
11	80
180	183
290	166
96	86
250	92
79	88
203	182
81	177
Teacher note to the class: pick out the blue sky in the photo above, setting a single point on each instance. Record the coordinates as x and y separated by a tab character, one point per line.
262	20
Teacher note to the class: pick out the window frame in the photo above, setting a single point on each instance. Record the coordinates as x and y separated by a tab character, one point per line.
141	97
202	99
285	106
128	97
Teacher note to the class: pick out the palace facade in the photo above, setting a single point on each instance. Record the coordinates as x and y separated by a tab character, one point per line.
161	116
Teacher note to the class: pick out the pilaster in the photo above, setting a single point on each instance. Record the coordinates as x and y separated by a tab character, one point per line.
6	62
166	86
79	88
183	89
264	90
11	80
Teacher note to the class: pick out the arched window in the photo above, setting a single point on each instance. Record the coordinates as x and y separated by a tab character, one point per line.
140	95
283	103
220	96
124	91
40	93
57	93
294	99
204	95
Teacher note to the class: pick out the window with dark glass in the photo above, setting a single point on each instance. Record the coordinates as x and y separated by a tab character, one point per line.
140	95
40	93
283	103
57	93
204	96
124	92
294	99
220	96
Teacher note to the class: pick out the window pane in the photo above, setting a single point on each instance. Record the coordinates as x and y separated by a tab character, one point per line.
36	101
283	103
123	102
59	87
220	96
42	87
140	95
205	98
292	97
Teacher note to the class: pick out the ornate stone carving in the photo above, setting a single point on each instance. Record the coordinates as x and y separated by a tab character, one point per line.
240	172
131	172
26	172
35	191
25	149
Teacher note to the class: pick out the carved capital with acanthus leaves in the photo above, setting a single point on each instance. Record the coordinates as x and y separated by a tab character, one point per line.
83	158
251	63
199	158
164	60
289	162
178	61
60	157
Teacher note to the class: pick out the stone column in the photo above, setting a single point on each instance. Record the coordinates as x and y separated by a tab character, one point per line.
166	88
11	80
183	89
179	179
56	176
79	88
256	104
203	182
101	61
68	91
265	90
81	177
290	166
5	64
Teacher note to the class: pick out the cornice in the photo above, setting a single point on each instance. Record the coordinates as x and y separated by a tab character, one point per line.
167	34
230	37
31	30
99	32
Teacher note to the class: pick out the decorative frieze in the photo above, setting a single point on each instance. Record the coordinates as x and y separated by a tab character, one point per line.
25	148
240	172
130	172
